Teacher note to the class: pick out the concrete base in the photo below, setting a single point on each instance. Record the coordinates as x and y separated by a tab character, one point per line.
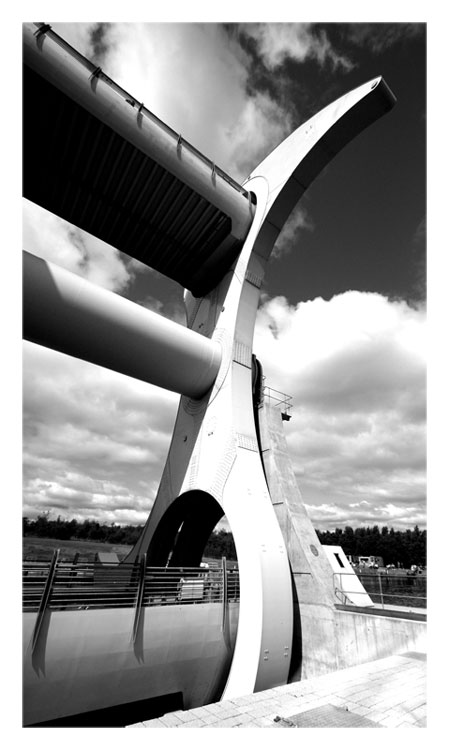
361	637
325	638
315	649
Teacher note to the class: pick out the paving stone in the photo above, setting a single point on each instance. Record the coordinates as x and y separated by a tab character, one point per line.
245	700
392	691
209	720
265	723
361	710
250	721
200	713
383	704
179	714
169	720
268	705
233	721
370	702
349	691
298	708
335	700
258	711
384	715
364	697
226	713
272	692
190	724
154	724
391	722
411	703
378	716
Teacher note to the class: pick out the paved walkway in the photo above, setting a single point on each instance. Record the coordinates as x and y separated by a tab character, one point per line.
387	693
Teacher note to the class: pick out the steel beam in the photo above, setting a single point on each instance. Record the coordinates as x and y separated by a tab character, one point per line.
67	313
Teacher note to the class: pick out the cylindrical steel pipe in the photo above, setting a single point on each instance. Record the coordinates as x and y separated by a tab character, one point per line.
65	312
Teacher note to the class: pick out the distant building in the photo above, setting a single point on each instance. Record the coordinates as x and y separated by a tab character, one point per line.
367	561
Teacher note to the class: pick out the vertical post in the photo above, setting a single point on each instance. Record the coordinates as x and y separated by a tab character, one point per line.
44	599
224	592
380	589
73	571
139	594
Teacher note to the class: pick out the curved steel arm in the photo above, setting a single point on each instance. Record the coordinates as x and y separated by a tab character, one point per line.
294	164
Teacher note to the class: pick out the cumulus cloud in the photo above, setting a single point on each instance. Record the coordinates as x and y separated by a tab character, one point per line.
278	42
298	220
80	35
57	241
216	113
94	441
261	126
355	367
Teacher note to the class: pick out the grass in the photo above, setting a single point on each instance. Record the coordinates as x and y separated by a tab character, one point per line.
40	548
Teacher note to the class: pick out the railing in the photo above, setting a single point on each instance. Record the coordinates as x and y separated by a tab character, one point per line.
96	72
388	590
81	586
96	585
280	399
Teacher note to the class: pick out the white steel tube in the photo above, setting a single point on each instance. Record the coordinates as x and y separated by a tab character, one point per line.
65	312
56	61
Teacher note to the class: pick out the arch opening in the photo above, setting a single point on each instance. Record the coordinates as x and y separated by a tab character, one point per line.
183	531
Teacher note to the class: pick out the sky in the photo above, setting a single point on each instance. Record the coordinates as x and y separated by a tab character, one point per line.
342	321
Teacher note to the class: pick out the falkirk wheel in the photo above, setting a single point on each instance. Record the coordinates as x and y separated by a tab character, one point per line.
227	454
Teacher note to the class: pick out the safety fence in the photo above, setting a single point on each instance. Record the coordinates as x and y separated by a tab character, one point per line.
388	590
279	399
60	586
98	585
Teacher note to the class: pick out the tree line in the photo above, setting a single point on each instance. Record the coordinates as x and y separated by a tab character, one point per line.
220	543
60	528
404	547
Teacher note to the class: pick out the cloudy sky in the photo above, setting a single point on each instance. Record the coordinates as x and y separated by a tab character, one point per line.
342	321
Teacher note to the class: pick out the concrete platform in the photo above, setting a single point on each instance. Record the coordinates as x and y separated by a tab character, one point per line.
386	693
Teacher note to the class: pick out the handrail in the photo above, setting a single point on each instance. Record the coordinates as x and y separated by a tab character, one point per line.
97	586
44	599
386	587
224	594
96	72
280	398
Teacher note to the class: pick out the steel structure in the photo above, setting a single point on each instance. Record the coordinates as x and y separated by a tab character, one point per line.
119	173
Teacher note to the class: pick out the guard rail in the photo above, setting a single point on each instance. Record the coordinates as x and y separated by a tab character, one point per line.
388	590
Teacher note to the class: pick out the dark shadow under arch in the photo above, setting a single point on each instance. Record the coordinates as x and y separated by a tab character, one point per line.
182	533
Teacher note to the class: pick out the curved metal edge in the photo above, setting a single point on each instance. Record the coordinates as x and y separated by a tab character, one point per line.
293	165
